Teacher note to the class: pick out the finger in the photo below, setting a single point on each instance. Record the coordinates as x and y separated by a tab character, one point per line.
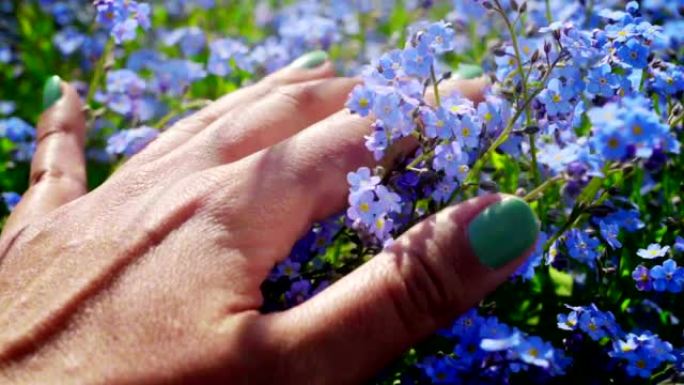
58	171
283	112
434	272
309	170
311	66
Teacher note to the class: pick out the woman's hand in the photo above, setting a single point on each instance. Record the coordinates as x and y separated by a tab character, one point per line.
154	276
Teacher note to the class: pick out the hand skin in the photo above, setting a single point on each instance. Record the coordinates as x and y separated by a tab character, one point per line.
153	278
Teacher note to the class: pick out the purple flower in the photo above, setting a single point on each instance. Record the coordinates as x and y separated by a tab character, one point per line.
642	276
299	292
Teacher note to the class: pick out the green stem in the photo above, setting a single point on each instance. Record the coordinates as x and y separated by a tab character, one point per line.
99	72
424	156
541	188
435	86
536	177
474	172
189	106
549	16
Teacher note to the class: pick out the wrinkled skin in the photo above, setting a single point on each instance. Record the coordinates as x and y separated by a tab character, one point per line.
154	276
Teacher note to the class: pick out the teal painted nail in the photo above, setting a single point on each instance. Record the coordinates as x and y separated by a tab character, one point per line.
468	71
52	91
502	232
310	60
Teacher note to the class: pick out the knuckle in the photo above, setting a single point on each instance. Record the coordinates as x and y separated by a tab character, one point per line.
427	292
55	175
53	127
298	96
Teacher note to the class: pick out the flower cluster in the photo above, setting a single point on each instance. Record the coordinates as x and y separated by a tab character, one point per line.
642	353
122	17
583	119
486	349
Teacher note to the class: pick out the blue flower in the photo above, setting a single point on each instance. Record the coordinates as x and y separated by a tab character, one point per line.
535	351
377	141
593	323
633	54
361	100
444	189
68	40
130	142
468	131
620	33
639	363
556	98
223	51
175	76
438	123
610	232
450	159
679	244
653	251
567	321
362	180
669	81
467	324
582	247
11	199
17	130
190	39
527	269
627	220
440	37
363	207
386	107
122	17
7	107
601	81
668	277
643	352
440	370
417	61
389	64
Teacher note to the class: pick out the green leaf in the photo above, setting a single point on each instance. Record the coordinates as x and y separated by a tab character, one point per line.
562	282
588	195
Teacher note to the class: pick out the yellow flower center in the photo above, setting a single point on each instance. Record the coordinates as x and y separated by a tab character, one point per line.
613	143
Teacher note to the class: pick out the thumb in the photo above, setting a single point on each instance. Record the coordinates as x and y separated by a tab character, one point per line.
437	270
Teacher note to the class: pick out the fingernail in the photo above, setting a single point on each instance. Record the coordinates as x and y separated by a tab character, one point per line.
310	60
52	91
468	71
503	231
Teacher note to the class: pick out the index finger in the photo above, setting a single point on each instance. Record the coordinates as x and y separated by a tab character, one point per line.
58	170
